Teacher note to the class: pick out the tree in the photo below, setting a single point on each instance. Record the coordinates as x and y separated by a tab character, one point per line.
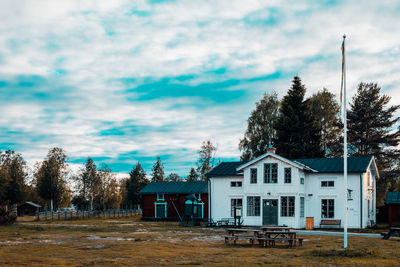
297	133
110	194
206	159
51	177
88	184
260	128
326	113
158	171
193	175
12	177
371	131
136	182
173	177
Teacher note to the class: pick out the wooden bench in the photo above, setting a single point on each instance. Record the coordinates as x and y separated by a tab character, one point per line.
394	231
226	222
271	241
236	237
330	223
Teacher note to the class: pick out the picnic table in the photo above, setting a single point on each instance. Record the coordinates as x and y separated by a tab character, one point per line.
269	238
266	228
240	233
394	231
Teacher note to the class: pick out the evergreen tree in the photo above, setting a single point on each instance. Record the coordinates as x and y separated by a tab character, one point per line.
297	133
326	112
206	159
260	128
110	197
88	184
51	177
158	171
136	182
173	177
193	175
371	131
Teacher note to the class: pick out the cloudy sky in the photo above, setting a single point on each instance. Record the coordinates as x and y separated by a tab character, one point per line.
126	81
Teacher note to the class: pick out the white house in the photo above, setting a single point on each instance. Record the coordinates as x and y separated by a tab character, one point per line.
274	190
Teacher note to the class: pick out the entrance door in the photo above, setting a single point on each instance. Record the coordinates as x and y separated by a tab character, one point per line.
270	212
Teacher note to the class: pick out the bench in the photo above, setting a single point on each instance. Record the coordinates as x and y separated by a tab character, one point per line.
330	222
226	222
236	237
271	241
393	232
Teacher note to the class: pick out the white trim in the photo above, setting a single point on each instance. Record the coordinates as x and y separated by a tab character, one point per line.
270	154
155	209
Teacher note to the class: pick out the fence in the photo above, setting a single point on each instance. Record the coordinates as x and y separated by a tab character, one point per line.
69	215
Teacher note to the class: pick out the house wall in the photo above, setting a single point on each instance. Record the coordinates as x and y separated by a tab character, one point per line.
359	216
394	214
179	200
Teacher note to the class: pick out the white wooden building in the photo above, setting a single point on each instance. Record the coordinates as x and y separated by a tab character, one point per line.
274	190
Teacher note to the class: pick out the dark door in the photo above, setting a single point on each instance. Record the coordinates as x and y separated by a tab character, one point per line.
270	212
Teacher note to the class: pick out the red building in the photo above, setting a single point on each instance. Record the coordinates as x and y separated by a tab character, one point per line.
393	208
175	200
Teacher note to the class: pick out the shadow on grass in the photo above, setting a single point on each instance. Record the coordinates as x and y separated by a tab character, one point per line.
350	253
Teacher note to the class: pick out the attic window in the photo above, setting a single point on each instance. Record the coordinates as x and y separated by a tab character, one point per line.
236	184
327	183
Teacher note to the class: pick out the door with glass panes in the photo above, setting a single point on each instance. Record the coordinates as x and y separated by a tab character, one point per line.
270	212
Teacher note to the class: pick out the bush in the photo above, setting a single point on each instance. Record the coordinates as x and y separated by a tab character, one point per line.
6	217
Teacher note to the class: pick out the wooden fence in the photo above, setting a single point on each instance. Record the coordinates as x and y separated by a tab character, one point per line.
69	215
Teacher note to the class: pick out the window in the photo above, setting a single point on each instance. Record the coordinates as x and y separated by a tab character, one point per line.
271	173
287	206
327	183
253	176
253	206
301	180
327	208
236	184
160	197
288	175
302	207
236	203
197	196
160	210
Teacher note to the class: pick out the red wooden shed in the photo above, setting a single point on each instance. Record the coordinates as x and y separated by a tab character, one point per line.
393	206
175	200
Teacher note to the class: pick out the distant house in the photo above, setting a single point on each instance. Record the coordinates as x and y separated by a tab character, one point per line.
175	200
393	208
273	190
28	209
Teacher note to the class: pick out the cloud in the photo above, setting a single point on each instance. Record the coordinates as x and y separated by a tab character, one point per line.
125	81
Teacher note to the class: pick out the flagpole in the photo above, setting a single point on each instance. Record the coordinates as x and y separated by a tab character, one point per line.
345	147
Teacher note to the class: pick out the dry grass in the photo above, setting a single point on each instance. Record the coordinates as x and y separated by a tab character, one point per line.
129	241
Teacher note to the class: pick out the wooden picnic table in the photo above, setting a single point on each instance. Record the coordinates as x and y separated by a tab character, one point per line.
266	228
237	233
394	231
269	238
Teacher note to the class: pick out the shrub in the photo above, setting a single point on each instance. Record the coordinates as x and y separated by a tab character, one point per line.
6	217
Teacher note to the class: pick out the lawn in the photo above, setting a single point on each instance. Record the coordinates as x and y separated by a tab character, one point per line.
129	241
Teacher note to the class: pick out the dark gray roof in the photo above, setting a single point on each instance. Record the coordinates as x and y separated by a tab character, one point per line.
333	165
324	165
392	198
225	169
32	204
175	188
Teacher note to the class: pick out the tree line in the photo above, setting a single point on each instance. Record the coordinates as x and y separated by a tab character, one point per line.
53	185
300	127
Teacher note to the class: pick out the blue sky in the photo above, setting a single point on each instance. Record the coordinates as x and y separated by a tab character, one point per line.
126	81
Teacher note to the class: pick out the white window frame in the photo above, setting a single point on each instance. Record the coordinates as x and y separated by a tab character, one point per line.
328	208
302	207
290	175
302	180
327	184
253	214
160	198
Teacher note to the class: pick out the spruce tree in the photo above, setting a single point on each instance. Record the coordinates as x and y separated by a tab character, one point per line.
260	128
136	182
297	133
173	177
206	159
158	171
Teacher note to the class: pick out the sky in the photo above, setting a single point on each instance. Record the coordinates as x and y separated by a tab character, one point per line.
127	81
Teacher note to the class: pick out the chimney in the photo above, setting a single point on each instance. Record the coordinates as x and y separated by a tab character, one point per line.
271	149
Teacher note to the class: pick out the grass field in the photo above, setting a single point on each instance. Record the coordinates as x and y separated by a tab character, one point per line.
129	241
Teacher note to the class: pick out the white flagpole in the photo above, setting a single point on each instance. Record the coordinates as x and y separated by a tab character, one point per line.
345	147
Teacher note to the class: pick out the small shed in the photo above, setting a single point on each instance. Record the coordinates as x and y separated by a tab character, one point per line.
174	200
393	207
28	209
